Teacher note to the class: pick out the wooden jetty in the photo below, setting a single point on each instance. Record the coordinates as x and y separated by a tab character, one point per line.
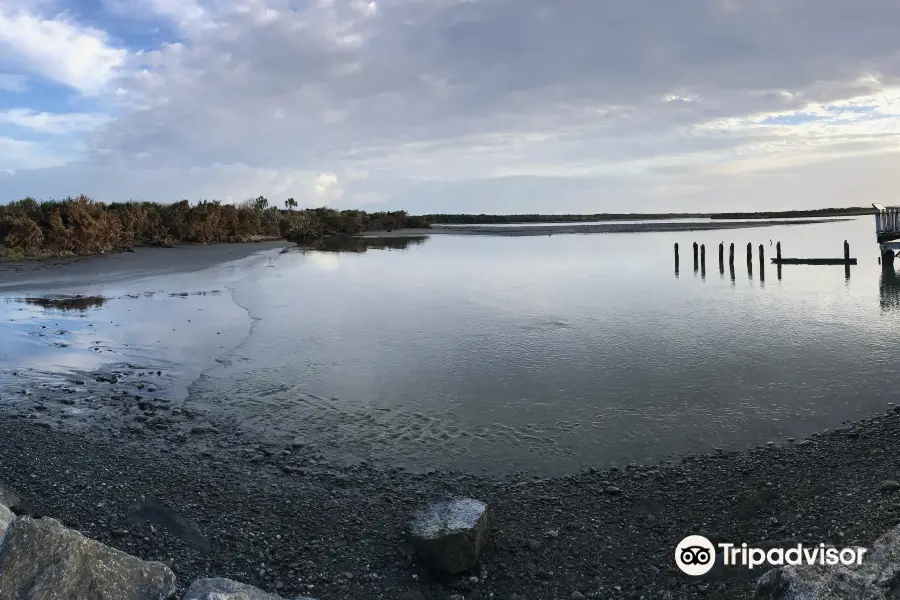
887	231
813	261
778	260
889	250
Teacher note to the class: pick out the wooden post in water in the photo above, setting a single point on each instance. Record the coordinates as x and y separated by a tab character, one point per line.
703	258
695	256
721	257
778	250
749	253
676	258
847	259
762	263
731	254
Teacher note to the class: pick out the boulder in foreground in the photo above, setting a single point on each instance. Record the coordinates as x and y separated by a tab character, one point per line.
12	500
449	535
6	517
220	588
42	559
876	578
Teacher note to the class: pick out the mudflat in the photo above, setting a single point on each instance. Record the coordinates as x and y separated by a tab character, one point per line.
611	227
118	266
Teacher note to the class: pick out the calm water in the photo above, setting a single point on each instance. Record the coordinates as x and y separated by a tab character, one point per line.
501	353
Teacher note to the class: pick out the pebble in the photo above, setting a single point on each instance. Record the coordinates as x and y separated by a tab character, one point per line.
889	485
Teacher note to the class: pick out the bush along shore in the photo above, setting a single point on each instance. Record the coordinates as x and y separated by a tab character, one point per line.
79	226
268	515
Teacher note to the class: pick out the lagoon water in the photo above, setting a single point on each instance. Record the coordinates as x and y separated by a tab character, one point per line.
497	354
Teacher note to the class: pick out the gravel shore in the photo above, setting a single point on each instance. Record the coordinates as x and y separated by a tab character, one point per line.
284	520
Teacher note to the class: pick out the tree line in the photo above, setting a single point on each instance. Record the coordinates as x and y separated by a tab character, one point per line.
81	226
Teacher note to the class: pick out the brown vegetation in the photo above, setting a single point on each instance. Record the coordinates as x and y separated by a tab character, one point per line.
81	226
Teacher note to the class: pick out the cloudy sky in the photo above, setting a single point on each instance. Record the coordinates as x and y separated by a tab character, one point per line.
454	105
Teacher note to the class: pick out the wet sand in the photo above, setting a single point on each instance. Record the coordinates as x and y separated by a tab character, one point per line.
60	274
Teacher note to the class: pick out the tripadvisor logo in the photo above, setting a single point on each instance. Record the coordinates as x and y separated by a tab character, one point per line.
695	555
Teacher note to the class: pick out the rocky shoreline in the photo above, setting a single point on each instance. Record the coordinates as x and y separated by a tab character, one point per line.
279	519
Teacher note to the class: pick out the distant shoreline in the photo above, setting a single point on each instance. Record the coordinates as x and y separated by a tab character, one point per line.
519	231
468	219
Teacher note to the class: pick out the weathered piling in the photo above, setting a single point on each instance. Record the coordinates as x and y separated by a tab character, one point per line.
721	253
778	250
731	254
846	251
703	258
762	263
696	248
749	253
731	271
676	257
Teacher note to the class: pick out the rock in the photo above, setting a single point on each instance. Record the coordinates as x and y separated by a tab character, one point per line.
613	490
533	545
220	588
8	497
6	517
576	595
449	535
874	579
163	516
889	485
43	559
11	499
412	595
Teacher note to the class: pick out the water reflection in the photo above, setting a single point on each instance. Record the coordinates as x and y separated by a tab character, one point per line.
347	243
66	303
889	288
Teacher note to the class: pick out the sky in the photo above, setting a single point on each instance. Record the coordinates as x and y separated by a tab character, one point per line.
487	106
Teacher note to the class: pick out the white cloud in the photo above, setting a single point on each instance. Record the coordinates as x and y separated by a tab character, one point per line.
56	124
59	49
609	100
18	154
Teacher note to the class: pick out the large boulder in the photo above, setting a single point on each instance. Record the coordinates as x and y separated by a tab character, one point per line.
449	535
41	559
875	578
219	588
12	500
6	517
